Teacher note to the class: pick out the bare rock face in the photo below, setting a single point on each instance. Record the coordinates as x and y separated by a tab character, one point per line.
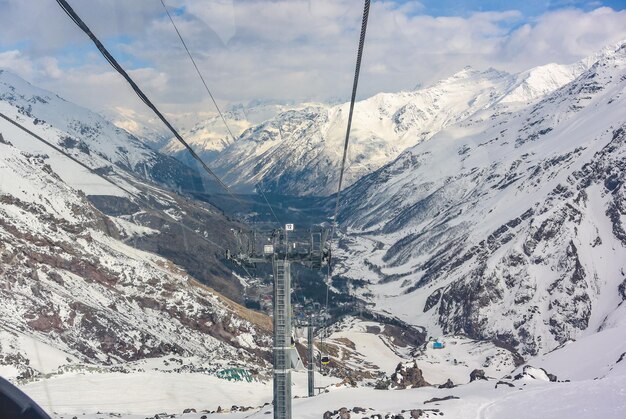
408	377
3	141
477	375
536	374
441	399
447	384
344	413
504	383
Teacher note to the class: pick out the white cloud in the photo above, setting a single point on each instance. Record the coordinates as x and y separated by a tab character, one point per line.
281	49
14	60
563	36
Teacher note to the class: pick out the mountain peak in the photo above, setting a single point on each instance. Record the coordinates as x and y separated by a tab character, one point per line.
470	74
535	83
465	72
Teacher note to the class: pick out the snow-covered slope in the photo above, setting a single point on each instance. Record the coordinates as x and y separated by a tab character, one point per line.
74	292
88	135
508	225
540	81
597	394
299	151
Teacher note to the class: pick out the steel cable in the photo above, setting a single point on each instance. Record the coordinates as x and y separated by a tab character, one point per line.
366	9
83	26
197	70
193	61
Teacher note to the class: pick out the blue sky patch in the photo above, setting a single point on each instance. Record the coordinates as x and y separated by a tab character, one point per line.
529	8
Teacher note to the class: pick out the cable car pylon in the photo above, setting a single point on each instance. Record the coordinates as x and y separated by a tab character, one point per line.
281	248
311	321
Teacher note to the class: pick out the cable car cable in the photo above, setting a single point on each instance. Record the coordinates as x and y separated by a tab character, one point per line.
324	359
193	61
83	26
366	9
197	70
258	188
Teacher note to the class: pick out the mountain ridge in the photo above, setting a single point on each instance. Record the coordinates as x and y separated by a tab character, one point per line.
499	239
296	153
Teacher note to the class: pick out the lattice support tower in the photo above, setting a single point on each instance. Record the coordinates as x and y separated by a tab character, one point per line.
282	339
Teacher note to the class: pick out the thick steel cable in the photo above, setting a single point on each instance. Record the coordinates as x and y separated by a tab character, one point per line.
107	179
83	26
366	9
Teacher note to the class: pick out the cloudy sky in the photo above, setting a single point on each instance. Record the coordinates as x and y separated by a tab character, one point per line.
289	50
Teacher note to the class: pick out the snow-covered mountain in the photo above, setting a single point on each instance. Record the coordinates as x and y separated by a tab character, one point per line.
299	151
210	136
509	224
148	175
98	275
